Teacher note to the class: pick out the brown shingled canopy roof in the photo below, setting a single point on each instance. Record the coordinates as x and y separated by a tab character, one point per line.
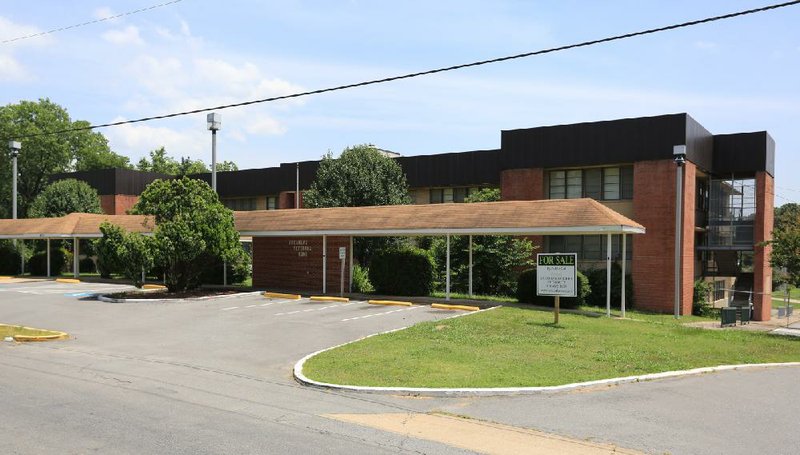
82	225
543	217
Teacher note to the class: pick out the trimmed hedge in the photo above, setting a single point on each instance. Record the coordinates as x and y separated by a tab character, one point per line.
9	258
597	279
526	291
405	271
37	264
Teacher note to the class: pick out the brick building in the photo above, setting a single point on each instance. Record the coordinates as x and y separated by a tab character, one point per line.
627	164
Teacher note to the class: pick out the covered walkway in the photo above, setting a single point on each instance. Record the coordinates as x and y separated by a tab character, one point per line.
522	218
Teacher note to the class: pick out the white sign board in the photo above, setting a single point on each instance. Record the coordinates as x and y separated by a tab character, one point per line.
556	274
342	252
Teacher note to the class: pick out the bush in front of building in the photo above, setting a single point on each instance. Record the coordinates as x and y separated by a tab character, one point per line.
239	269
597	280
9	258
64	197
87	265
361	281
130	251
402	271
58	262
700	300
526	291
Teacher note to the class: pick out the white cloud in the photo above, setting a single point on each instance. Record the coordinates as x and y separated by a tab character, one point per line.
265	125
11	69
127	35
10	30
136	140
705	45
104	12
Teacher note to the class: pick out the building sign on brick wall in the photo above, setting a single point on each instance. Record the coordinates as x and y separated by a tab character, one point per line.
300	247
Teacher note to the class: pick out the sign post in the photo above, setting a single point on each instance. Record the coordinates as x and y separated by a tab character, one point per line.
342	254
556	275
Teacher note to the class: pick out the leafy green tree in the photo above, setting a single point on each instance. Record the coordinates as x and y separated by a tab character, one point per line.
64	197
786	242
161	162
227	166
44	155
496	259
193	229
131	252
361	176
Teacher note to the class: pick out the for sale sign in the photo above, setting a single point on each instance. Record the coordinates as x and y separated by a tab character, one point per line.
556	274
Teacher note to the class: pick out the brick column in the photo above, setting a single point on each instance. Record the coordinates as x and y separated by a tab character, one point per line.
653	264
286	200
762	231
524	185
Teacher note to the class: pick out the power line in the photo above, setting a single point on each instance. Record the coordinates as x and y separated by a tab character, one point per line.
69	27
427	72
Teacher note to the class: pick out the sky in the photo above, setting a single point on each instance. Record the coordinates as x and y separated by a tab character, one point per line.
738	75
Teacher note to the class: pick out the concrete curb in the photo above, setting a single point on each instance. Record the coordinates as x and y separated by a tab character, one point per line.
56	335
104	298
489	391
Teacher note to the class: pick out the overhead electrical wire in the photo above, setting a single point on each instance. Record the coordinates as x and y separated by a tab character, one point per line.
102	19
427	72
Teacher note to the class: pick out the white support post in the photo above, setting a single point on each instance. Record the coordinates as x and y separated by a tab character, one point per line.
447	285
324	264
470	266
143	277
76	252
48	258
351	265
608	276
624	261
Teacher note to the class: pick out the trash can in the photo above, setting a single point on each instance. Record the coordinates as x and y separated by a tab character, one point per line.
728	315
746	312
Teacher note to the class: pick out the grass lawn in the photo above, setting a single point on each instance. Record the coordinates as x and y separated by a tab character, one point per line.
514	347
13	330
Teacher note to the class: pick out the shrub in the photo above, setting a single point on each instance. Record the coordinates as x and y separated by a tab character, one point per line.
700	304
361	281
132	251
239	269
9	258
58	262
597	280
405	271
106	253
87	265
526	291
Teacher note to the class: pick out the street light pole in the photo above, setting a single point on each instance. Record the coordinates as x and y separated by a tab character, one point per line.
15	148
214	122
679	152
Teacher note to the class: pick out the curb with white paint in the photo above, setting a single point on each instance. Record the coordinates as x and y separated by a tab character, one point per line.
104	298
488	391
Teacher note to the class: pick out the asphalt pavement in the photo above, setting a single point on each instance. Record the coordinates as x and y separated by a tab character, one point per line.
214	376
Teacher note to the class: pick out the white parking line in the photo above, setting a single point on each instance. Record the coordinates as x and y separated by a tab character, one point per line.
379	314
250	306
230	308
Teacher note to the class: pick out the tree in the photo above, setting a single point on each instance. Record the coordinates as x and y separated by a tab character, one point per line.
91	151
361	176
193	229
786	242
46	154
64	197
161	162
497	259
131	252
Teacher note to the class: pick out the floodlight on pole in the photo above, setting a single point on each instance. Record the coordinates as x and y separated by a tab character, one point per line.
15	148
214	122
679	153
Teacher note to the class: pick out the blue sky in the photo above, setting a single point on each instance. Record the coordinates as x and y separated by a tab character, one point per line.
732	76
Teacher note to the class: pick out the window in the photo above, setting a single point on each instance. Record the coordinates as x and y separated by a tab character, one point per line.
719	290
611	183
448	195
437	196
240	204
459	194
608	183
589	247
593	247
272	202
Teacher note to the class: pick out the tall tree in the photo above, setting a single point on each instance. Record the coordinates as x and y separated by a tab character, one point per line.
45	154
361	176
161	162
786	242
64	197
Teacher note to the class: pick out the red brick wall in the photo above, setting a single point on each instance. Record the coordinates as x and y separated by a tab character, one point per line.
295	263
522	184
653	268
117	204
762	272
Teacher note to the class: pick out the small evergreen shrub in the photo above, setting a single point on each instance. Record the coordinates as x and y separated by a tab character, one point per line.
37	264
597	280
9	258
700	304
404	271
526	291
239	269
87	265
361	281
